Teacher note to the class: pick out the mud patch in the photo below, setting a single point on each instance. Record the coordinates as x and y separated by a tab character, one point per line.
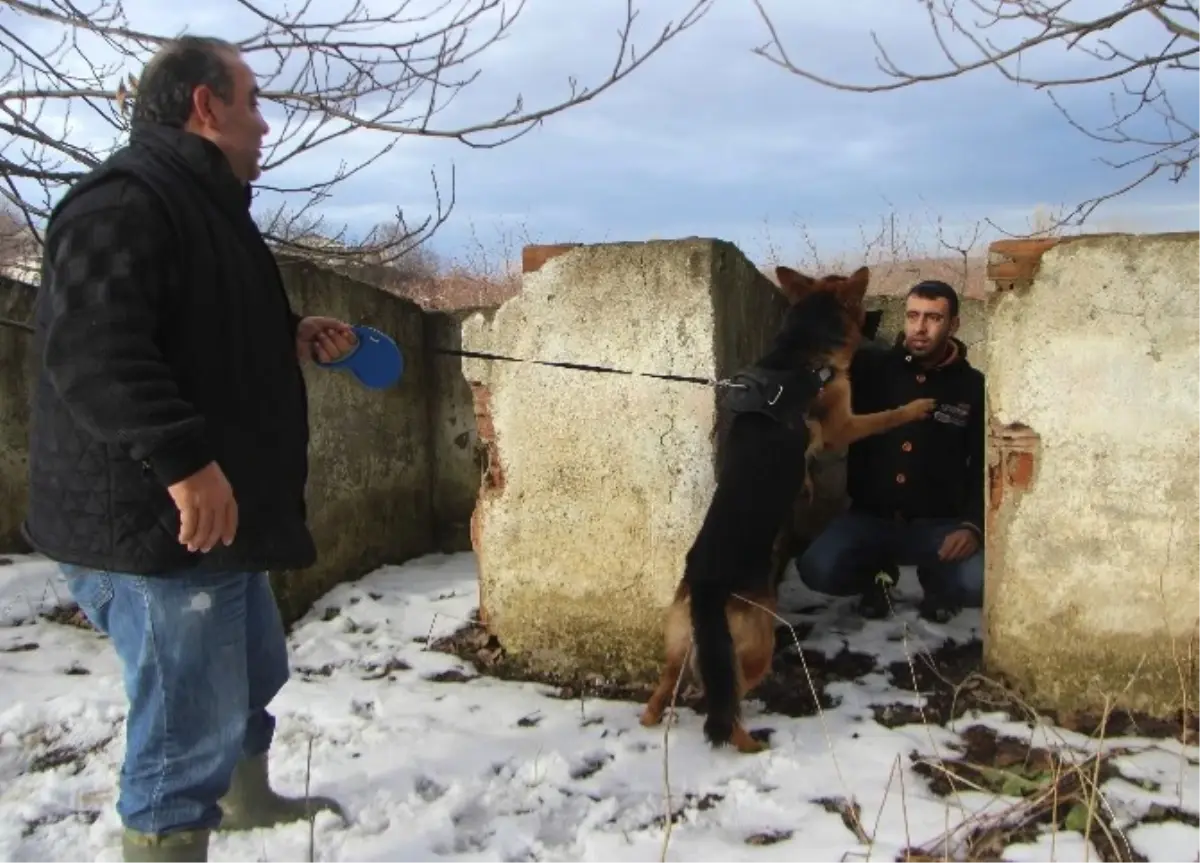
377	671
590	765
1183	727
770	837
786	690
71	758
308	673
450	675
85	818
796	686
68	615
953	683
950	681
691	803
851	814
474	644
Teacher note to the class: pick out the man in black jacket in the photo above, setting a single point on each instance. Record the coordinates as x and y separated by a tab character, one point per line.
916	493
169	445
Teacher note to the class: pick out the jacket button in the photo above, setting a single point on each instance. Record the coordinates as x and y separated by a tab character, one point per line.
906	446
920	379
900	478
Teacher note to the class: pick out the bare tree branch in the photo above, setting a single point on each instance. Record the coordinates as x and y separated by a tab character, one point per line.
1145	125
387	68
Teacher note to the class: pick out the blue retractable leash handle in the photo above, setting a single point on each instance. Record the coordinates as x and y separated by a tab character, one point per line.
376	361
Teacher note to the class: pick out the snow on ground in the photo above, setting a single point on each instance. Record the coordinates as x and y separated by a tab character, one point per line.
434	766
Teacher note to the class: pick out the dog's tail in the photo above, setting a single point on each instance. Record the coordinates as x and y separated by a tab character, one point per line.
715	659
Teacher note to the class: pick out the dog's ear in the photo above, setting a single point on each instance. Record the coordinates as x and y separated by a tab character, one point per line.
793	284
854	288
871	323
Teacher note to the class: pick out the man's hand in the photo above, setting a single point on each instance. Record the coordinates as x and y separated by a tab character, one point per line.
958	545
207	510
323	339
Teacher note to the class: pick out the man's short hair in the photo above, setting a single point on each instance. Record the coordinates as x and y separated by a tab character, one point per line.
164	92
932	289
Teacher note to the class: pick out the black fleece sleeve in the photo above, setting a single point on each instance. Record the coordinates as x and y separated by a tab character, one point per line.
109	260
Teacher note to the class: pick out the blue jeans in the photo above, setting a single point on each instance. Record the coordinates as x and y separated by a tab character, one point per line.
855	547
202	656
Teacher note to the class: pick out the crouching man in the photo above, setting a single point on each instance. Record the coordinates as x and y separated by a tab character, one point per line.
916	493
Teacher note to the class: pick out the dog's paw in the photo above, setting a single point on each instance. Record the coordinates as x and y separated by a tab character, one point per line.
918	409
751	747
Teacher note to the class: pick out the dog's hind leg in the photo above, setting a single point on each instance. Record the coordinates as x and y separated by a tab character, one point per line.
678	643
756	650
658	702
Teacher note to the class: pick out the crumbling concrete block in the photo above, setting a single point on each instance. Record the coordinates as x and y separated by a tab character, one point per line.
597	481
1092	541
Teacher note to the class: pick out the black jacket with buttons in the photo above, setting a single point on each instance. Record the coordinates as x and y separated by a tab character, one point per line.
928	469
165	341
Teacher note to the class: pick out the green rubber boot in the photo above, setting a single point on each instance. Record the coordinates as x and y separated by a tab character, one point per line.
251	803
187	846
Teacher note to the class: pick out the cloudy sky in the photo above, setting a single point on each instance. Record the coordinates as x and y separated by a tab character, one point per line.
709	139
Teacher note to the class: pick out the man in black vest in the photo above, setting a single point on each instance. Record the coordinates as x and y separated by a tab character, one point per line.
916	492
169	445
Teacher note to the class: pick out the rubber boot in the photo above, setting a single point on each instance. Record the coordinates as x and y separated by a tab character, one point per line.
251	803
187	845
936	610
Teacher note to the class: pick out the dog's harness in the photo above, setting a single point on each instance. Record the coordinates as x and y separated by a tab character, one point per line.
783	395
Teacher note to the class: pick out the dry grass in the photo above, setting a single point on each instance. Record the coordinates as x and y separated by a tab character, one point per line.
459	287
901	251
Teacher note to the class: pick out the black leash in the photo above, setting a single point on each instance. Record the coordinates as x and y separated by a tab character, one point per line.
479	355
581	367
16	325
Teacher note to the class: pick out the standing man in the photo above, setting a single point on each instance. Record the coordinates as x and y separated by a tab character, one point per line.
169	445
916	492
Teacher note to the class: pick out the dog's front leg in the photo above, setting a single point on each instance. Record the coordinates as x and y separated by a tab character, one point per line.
842	428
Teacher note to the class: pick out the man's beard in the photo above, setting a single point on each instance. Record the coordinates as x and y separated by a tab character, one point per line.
933	350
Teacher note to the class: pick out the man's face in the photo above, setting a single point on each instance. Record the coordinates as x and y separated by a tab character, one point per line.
236	126
927	325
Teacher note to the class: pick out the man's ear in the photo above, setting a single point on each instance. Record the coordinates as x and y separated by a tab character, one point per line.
203	107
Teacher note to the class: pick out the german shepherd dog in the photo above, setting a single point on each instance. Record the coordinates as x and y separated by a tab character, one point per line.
793	401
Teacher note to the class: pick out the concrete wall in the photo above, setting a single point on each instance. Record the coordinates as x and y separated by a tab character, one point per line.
388	477
595	483
16	377
370	498
1092	524
457	454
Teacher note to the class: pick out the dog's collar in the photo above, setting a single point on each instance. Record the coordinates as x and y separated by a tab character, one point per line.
781	394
